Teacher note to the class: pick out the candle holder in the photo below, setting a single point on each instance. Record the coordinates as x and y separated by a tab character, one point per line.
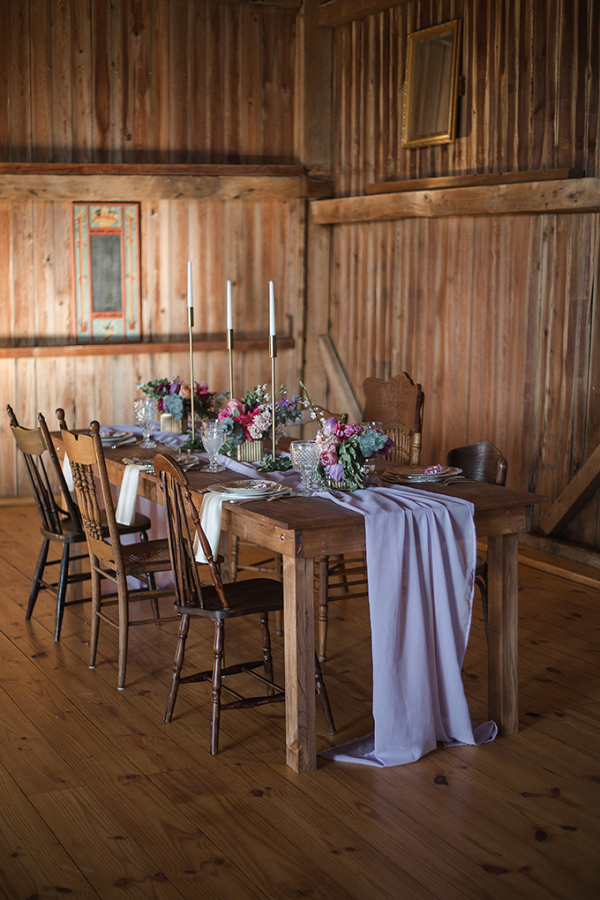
192	442
273	353
230	349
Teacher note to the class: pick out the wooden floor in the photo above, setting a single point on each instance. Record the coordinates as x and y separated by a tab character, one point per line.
98	798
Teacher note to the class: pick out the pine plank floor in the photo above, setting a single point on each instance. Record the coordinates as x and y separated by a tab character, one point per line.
100	799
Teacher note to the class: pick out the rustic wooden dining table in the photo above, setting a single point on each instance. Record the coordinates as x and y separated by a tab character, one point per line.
304	528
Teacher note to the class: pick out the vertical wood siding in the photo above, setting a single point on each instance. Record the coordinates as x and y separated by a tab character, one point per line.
145	81
496	317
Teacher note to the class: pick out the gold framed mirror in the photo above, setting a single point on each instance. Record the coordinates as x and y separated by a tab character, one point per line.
431	86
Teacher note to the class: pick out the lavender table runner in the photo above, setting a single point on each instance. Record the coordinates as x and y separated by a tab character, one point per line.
421	555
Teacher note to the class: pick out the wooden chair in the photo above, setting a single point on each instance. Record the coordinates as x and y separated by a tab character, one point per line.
481	462
109	558
60	521
218	602
398	405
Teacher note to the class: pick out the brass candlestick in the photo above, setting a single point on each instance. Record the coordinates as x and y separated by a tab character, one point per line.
190	326
230	348
273	352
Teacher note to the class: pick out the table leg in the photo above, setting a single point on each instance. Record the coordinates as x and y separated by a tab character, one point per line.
299	638
503	611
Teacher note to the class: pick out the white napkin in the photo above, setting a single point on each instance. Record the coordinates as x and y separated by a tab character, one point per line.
66	467
212	508
128	495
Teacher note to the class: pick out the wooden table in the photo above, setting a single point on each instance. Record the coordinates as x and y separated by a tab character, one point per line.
302	528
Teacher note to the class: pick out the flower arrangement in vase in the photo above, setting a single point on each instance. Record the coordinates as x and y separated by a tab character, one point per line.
248	421
174	400
344	449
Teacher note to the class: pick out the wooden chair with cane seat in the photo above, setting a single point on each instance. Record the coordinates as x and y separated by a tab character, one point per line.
218	602
481	462
60	519
398	405
109	557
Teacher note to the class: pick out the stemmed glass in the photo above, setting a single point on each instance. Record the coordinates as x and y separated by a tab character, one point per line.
145	409
305	459
213	439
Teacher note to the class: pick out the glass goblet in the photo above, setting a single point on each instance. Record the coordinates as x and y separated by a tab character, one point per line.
213	439
145	409
305	459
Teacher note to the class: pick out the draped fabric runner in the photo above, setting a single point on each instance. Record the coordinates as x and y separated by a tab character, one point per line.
420	560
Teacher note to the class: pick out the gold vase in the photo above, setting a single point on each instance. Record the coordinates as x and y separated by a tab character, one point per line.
171	424
250	451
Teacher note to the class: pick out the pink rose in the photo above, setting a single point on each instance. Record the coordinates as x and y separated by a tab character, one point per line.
236	405
185	391
329	457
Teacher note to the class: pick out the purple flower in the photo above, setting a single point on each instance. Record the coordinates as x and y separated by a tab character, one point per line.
336	472
174	387
330	425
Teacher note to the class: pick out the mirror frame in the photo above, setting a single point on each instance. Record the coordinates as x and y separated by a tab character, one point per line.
431	85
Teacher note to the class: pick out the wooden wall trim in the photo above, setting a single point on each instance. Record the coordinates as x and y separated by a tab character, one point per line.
339	12
454	181
160	187
79	350
580	195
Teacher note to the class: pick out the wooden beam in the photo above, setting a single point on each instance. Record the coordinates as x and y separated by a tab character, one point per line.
133	349
339	12
575	495
453	181
581	195
102	188
577	553
83	181
338	378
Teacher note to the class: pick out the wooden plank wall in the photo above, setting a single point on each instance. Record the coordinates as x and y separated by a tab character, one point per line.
150	81
494	316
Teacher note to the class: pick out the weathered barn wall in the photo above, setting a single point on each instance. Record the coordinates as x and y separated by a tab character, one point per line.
495	316
150	81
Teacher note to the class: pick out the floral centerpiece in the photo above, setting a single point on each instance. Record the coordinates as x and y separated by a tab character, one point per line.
174	400
250	420
344	450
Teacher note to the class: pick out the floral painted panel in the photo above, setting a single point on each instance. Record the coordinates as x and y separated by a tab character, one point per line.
106	269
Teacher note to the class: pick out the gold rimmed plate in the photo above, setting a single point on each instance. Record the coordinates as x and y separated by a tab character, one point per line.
248	488
417	475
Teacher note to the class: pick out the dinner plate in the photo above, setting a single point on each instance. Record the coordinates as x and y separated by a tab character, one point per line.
416	475
114	437
249	487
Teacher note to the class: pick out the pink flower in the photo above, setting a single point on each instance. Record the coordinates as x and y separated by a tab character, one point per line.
185	391
346	431
330	425
329	457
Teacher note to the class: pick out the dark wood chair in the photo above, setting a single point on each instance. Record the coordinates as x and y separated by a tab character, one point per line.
60	519
398	405
218	602
109	557
481	462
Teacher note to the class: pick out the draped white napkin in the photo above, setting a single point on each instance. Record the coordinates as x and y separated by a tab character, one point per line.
210	519
421	552
125	511
66	468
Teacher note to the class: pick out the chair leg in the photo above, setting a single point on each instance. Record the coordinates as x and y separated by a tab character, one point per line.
39	571
96	601
184	628
322	692
216	688
233	558
151	580
481	582
123	629
323	603
266	642
63	580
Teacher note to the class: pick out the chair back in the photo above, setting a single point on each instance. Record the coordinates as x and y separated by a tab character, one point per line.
86	457
398	404
34	444
179	512
481	462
